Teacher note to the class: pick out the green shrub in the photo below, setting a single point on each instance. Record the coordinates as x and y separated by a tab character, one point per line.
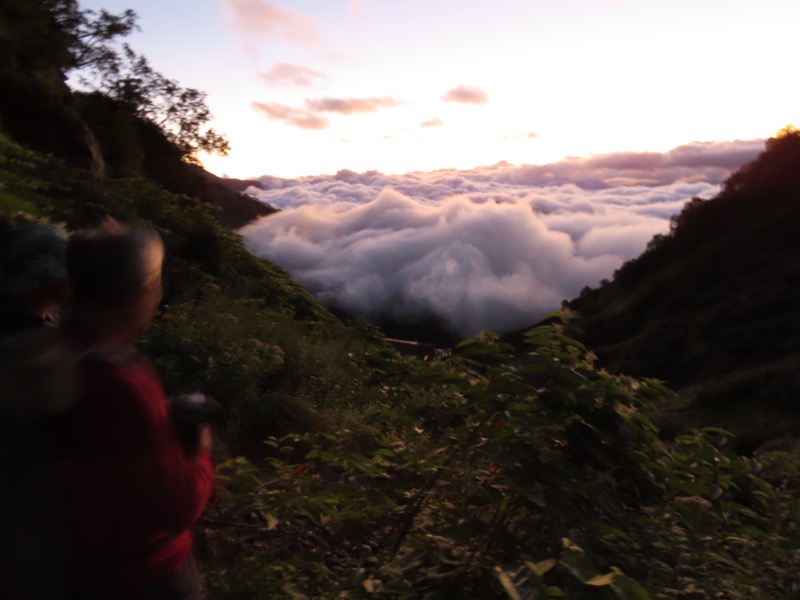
552	484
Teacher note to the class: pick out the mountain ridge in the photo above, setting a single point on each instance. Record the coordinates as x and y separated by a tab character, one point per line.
711	306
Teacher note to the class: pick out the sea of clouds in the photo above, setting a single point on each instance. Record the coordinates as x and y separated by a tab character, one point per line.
491	248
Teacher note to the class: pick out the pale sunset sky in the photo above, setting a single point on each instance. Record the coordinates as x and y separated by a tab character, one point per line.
314	86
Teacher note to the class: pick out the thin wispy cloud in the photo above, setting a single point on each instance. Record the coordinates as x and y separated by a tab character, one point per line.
490	248
432	123
293	75
291	116
311	116
357	8
265	18
528	136
349	106
466	94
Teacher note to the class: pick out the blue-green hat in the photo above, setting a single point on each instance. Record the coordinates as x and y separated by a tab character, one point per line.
31	256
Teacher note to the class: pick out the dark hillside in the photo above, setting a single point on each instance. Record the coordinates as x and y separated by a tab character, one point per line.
712	307
134	147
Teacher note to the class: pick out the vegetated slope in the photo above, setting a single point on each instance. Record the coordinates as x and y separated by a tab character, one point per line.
713	307
231	325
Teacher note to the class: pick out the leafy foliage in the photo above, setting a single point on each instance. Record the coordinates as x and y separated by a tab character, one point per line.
550	483
21	192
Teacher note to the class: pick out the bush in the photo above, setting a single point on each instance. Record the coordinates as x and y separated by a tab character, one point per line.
552	484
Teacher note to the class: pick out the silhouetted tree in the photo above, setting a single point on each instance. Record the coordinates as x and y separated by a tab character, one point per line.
45	40
181	113
91	36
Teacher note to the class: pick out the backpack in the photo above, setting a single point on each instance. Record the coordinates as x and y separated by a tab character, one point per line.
36	384
37	375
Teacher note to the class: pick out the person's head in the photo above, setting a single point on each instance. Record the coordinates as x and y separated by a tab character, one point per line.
115	272
33	266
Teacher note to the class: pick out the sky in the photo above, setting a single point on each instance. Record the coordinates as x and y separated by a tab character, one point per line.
310	87
476	161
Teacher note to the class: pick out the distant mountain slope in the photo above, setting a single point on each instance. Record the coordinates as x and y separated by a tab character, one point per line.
134	147
237	208
714	306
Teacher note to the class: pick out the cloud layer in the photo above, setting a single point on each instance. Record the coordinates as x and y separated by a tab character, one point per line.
492	248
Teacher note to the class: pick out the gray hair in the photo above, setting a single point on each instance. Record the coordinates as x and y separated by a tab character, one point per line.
108	264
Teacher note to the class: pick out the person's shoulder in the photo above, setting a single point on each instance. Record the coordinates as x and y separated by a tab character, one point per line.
112	365
14	320
120	375
113	359
36	375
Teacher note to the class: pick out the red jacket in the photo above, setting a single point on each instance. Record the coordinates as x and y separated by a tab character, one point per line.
129	495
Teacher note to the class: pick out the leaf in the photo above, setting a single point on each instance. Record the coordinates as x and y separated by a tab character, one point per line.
10	203
572	342
507	584
568	544
541	567
223	494
600	528
555	592
626	588
384	453
369	585
533	492
724	560
601	580
580	565
714	492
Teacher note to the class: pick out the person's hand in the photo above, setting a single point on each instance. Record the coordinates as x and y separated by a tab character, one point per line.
206	439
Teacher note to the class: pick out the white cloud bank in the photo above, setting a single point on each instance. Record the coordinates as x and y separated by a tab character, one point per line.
492	248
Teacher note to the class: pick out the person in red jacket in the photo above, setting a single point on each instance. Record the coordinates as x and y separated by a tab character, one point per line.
129	492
